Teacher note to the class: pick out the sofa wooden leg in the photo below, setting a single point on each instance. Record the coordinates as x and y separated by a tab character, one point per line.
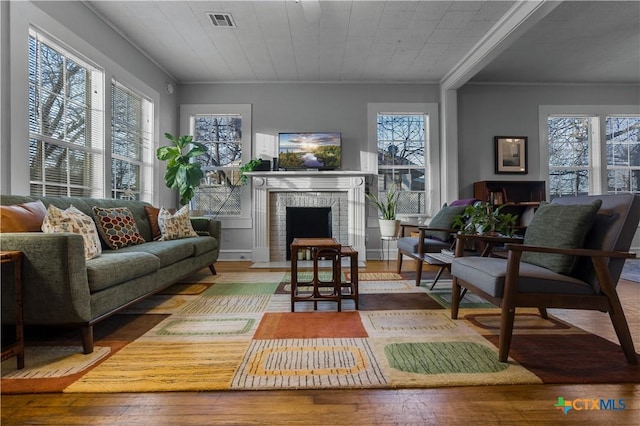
212	269
87	339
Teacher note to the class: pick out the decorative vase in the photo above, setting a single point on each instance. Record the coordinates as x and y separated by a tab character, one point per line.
389	228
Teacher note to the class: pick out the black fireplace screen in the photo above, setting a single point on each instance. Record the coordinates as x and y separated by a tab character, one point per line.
307	222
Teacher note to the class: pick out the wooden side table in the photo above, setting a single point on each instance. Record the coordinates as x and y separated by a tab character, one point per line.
15	348
328	248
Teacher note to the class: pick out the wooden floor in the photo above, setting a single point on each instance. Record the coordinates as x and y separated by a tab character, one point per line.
509	405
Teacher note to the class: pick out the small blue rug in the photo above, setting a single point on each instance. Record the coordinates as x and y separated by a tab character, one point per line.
631	270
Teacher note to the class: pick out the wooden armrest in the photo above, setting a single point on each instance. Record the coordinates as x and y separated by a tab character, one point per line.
421	231
489	242
429	228
572	252
495	239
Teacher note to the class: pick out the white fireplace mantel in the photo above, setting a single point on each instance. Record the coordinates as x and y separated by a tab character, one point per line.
351	182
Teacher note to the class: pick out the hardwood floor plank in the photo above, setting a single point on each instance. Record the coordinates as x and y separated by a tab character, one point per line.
504	405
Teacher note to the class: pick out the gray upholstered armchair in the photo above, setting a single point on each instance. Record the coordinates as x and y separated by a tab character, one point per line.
572	256
432	238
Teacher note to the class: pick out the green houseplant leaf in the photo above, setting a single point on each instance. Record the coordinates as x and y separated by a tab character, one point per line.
248	167
484	217
182	174
387	205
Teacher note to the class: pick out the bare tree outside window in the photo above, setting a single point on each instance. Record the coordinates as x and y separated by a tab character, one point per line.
401	159
571	143
623	154
569	156
131	130
222	135
62	113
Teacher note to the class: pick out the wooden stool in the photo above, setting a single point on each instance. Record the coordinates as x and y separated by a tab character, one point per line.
327	248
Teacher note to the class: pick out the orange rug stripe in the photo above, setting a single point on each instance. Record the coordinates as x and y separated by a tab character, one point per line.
310	325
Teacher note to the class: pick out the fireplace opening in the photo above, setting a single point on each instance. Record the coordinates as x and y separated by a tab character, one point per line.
307	222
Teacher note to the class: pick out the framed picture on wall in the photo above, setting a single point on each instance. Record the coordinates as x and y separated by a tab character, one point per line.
511	154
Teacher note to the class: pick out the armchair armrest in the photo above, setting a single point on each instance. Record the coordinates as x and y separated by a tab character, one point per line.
421	231
489	241
572	252
598	259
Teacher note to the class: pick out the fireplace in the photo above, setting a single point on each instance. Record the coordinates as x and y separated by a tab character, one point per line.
307	222
343	192
332	203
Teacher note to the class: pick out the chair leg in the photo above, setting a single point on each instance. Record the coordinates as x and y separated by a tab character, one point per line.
418	272
212	268
506	332
455	298
543	313
399	262
622	329
616	313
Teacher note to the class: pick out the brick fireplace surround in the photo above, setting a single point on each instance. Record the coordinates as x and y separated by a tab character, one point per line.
273	192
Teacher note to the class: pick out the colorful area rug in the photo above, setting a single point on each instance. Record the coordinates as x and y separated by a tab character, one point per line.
235	331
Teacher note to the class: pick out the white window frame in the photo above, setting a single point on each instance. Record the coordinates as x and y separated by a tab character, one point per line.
24	16
432	150
614	168
146	162
598	158
187	111
94	146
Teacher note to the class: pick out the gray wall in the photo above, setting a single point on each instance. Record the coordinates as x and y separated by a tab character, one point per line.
485	111
5	106
292	107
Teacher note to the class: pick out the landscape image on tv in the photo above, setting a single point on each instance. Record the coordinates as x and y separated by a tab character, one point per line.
310	150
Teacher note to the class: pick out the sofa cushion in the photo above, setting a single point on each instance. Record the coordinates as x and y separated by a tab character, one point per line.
176	226
169	252
74	221
488	274
117	227
115	267
560	226
25	217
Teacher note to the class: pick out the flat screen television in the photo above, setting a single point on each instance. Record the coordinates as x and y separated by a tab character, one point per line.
310	150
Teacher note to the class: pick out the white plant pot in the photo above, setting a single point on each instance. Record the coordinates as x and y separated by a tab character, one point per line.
389	228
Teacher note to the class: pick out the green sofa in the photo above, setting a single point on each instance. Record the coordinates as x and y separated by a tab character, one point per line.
60	287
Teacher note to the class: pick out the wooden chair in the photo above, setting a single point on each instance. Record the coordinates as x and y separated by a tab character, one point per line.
436	236
533	276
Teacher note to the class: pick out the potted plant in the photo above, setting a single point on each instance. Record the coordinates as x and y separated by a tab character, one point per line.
182	174
484	218
249	167
389	225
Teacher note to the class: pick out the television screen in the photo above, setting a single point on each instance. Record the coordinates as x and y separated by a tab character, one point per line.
310	150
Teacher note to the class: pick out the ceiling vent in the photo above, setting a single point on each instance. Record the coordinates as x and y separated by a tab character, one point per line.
222	20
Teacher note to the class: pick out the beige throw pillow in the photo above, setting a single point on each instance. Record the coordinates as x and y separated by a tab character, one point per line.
74	221
176	226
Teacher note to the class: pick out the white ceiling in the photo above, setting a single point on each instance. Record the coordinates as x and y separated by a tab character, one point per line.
377	41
